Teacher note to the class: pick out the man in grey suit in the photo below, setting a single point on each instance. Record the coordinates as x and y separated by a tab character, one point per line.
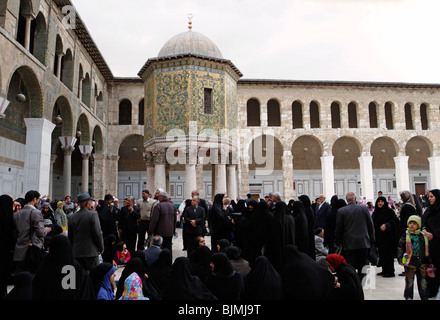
85	233
29	230
355	232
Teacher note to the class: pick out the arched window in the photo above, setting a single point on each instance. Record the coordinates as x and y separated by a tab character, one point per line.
67	70
372	112
125	112
58	60
86	90
424	116
408	117
352	115
314	115
141	112
273	113
389	116
297	115
335	110
253	113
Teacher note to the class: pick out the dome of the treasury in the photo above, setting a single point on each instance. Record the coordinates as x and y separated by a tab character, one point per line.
190	42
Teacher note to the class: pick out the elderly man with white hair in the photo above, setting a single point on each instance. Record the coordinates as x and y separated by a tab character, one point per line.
163	220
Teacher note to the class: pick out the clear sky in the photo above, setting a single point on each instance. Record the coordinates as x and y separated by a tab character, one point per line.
343	40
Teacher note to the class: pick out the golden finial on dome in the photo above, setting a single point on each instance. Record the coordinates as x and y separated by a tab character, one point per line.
190	16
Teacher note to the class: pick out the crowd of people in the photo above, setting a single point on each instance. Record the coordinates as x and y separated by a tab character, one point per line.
260	249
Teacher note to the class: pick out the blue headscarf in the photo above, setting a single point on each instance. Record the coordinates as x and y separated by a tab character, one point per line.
106	290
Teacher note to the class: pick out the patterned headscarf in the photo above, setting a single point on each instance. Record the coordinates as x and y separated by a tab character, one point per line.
133	288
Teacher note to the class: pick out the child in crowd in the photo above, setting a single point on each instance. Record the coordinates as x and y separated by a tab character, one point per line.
61	217
413	254
122	254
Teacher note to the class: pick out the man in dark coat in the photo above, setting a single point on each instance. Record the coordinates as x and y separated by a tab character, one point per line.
355	232
163	220
85	233
128	224
107	218
194	219
322	212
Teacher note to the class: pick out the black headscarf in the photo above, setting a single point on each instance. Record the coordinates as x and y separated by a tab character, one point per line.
301	226
183	284
310	224
200	262
431	221
303	278
160	270
387	216
282	233
97	275
263	282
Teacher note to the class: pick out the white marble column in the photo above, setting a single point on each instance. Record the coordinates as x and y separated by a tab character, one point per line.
220	179
160	174
402	174
67	145
37	154
148	158
328	178
59	57
366	168
190	179
99	176
27	33
434	169
86	151
53	158
232	181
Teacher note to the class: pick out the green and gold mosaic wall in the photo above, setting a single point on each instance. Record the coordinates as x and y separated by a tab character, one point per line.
174	96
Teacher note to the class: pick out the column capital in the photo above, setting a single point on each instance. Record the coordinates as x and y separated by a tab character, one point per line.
67	141
67	150
85	150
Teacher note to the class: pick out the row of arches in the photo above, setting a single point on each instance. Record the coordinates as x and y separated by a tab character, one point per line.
33	34
125	112
413	114
307	151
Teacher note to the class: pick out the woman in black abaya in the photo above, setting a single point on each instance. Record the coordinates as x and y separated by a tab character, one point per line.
301	226
386	229
160	270
431	221
219	222
48	280
184	285
303	278
200	262
6	241
310	224
263	282
281	233
224	282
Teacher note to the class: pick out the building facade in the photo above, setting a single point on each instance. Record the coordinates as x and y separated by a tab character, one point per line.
189	120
